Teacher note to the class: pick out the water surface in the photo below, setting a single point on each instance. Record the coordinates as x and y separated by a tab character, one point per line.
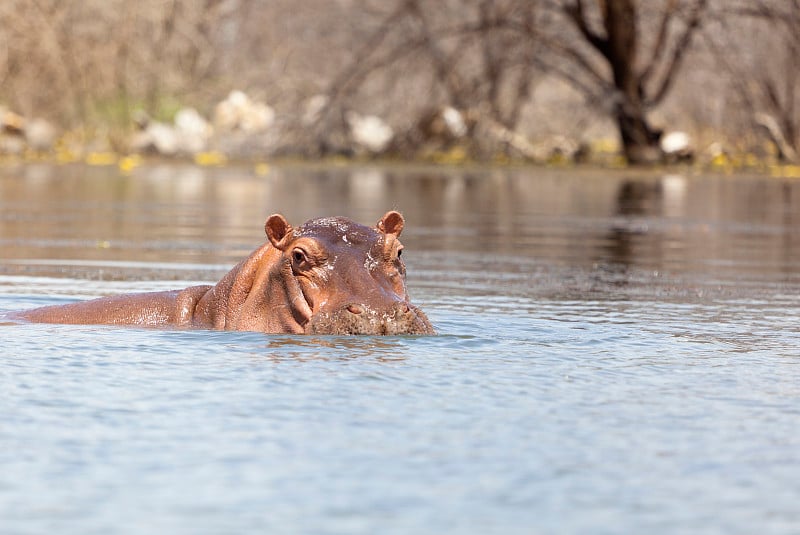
618	354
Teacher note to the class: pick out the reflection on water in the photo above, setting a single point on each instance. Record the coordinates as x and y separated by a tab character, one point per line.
304	348
184	213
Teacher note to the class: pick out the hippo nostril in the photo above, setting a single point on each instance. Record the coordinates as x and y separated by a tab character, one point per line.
401	309
355	309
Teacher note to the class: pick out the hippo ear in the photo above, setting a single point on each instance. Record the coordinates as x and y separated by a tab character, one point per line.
278	230
391	223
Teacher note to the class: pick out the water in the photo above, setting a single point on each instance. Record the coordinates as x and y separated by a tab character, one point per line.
618	353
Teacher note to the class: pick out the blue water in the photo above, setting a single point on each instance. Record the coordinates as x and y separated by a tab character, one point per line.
568	391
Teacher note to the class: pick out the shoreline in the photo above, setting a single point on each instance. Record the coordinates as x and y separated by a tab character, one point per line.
127	163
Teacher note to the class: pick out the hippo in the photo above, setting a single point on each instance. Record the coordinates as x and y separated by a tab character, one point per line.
327	276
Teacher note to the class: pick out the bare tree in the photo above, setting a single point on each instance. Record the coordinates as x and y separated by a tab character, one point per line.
91	62
65	59
606	59
764	73
483	56
473	55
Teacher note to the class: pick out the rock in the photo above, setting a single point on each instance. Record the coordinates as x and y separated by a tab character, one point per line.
189	135
192	131
226	116
258	118
440	126
164	138
157	137
238	113
11	123
19	133
190	121
454	120
369	132
677	147
40	135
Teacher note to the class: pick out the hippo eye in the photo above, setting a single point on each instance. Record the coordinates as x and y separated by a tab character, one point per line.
299	256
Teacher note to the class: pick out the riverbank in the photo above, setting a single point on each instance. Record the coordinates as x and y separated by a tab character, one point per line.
244	131
128	162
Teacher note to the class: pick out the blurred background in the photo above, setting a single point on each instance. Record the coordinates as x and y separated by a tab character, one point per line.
447	80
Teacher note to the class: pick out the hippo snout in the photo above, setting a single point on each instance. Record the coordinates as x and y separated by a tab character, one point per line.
357	318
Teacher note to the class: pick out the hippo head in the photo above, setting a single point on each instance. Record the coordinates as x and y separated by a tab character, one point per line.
346	278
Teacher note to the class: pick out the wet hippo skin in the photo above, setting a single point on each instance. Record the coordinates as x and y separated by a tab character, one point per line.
328	276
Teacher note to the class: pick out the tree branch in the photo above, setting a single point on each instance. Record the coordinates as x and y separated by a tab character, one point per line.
736	76
661	42
576	14
589	90
678	54
338	86
575	56
443	68
523	88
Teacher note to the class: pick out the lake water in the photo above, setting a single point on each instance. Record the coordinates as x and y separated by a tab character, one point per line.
619	352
